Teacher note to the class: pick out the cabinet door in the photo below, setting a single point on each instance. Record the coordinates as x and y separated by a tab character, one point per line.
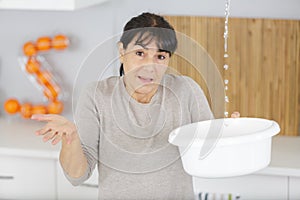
294	188
247	187
66	191
27	178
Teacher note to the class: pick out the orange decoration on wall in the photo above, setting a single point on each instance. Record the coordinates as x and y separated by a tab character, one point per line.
26	110
55	107
32	65
29	49
43	44
51	91
44	78
12	106
60	42
39	109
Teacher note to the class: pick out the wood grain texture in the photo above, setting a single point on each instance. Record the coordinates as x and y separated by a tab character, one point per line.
264	65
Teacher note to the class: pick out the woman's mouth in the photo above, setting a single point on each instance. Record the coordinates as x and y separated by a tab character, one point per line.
145	79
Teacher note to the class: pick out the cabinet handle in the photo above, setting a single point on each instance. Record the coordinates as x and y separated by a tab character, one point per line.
89	185
6	177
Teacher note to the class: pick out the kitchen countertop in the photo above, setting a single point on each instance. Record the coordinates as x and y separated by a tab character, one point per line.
285	157
17	138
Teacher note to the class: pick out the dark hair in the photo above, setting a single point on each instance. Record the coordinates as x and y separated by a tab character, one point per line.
148	26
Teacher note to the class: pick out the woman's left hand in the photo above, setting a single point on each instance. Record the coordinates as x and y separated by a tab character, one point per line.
235	114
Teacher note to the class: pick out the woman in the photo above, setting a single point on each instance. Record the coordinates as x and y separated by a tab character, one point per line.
123	123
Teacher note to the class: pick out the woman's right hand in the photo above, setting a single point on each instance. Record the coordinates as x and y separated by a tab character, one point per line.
57	128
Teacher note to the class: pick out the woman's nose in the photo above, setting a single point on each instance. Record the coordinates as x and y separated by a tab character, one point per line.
149	67
149	62
150	59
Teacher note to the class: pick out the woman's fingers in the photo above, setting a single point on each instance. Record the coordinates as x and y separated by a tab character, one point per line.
56	127
43	131
57	138
49	135
55	134
235	114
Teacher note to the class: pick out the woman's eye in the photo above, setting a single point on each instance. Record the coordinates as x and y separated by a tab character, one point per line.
139	53
161	57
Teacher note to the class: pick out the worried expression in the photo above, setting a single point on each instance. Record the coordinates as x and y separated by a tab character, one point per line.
144	66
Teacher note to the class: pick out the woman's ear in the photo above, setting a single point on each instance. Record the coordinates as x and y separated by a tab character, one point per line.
121	51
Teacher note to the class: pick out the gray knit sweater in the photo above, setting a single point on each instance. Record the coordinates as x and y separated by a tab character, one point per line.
128	140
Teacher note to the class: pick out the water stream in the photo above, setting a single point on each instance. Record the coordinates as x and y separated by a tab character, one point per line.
226	66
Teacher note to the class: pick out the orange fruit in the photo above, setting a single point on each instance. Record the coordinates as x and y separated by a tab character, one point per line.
43	77
43	43
32	65
26	110
60	42
48	95
39	109
51	91
29	49
12	106
55	107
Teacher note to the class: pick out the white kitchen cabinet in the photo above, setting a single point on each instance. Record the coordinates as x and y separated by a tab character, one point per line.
48	4
247	187
27	178
66	191
294	188
41	178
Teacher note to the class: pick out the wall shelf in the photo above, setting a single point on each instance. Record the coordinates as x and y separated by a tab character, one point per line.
55	5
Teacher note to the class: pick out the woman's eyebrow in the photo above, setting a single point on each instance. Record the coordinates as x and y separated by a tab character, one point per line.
162	50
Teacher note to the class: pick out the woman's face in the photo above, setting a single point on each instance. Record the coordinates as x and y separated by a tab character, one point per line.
144	66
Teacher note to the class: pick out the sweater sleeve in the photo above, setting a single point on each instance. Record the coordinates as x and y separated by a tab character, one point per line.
88	127
199	106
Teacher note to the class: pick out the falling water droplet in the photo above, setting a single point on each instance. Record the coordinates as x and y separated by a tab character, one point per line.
226	114
226	99
226	81
226	87
226	67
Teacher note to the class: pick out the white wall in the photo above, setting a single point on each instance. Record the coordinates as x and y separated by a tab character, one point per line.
95	25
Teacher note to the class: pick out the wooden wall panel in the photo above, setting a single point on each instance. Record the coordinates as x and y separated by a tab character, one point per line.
264	61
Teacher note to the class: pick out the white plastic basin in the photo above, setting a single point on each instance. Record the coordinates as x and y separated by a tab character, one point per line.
225	147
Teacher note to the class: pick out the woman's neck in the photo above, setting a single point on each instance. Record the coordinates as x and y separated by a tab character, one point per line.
141	97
